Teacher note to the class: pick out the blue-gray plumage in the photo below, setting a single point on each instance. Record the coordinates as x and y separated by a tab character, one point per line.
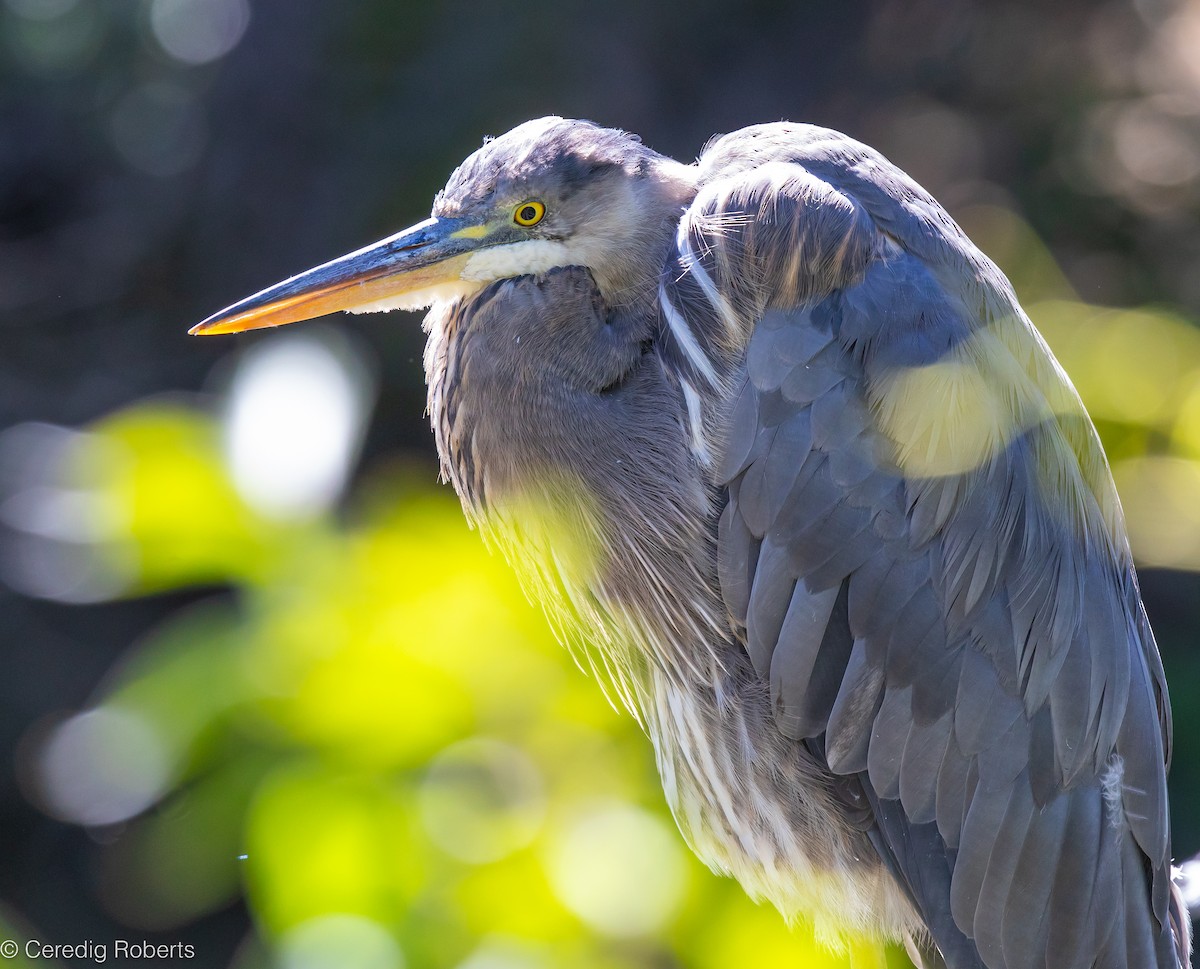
783	458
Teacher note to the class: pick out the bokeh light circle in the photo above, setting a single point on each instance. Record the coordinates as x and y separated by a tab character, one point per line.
482	800
158	128
294	422
199	31
619	868
339	942
102	766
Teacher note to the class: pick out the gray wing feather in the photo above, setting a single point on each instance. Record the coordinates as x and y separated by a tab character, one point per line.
983	819
983	710
746	437
999	882
788	451
924	752
956	782
805	676
971	642
1072	931
737	558
858	699
1024	932
770	594
889	734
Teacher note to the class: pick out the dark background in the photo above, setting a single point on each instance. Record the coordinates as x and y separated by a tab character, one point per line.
139	192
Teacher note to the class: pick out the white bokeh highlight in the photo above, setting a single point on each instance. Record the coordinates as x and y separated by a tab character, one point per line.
295	417
101	767
199	31
481	800
499	952
619	868
51	527
339	941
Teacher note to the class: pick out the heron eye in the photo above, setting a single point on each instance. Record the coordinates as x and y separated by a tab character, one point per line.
529	213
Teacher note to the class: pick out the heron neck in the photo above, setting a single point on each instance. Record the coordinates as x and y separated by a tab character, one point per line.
628	275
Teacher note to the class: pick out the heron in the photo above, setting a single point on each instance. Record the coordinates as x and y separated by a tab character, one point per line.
780	453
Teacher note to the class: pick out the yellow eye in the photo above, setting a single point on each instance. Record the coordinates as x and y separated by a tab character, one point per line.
529	213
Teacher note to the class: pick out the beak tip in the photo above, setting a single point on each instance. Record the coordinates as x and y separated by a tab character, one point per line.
207	327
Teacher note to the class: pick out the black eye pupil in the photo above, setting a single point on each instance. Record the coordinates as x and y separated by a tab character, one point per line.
528	213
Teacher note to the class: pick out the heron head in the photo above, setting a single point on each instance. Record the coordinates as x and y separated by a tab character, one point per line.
550	193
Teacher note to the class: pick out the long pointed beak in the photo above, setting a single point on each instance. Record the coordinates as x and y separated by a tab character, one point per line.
407	270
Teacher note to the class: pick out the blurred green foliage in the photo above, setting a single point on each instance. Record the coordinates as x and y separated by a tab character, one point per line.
375	738
1138	372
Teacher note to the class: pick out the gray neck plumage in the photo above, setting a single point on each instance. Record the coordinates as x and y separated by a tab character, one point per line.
568	444
637	231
